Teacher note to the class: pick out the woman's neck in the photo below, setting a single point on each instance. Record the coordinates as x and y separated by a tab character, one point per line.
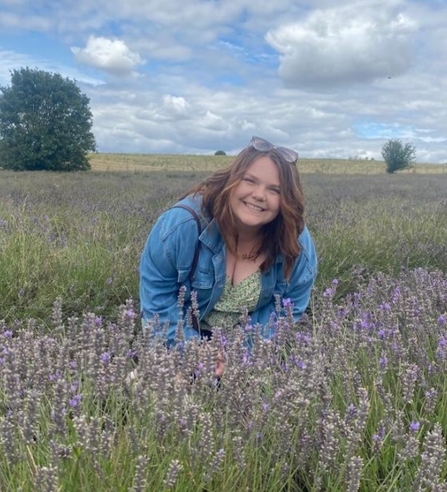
247	246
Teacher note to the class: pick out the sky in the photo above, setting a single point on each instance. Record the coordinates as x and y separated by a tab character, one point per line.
328	78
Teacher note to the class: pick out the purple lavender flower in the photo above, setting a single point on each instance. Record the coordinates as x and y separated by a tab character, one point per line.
105	357
130	313
74	402
415	426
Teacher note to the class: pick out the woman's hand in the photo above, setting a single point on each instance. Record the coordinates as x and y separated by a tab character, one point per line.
220	364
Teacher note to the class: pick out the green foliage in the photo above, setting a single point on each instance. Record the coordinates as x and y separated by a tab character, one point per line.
80	235
45	123
397	155
219	152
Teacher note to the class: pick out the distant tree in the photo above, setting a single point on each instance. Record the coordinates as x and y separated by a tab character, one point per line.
45	123
219	152
397	155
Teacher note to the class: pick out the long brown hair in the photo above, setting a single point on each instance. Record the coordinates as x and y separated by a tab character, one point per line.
278	236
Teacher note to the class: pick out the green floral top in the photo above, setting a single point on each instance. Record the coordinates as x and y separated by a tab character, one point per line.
234	301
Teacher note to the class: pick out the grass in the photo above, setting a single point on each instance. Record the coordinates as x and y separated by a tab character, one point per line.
80	236
167	162
351	399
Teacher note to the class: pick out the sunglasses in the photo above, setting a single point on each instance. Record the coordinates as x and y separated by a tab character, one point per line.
262	145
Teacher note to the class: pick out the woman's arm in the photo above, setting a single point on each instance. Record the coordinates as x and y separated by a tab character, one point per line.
303	276
164	266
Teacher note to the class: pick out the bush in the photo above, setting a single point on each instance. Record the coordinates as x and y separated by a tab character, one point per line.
397	155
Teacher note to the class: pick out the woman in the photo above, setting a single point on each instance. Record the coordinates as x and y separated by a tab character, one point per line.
253	246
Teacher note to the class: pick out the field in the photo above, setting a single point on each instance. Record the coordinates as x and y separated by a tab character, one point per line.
351	398
166	162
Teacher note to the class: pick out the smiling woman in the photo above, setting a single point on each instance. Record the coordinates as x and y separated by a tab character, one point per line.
235	243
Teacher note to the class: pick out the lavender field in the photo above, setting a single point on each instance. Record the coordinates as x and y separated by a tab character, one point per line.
352	398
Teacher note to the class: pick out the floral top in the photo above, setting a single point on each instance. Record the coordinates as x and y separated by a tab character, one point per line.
235	300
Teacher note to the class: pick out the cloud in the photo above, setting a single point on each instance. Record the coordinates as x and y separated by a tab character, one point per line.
12	60
13	22
110	55
344	45
311	75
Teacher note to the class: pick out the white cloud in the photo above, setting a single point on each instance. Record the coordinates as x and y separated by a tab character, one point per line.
15	61
344	45
13	22
208	79
111	55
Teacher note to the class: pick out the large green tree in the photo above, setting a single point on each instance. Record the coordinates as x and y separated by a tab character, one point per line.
45	123
398	156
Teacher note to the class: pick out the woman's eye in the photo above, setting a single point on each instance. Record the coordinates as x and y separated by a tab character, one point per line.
249	180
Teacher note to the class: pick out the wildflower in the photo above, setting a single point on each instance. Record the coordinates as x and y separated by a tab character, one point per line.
130	313
442	320
200	368
105	357
352	410
171	477
130	354
415	426
353	474
287	302
74	402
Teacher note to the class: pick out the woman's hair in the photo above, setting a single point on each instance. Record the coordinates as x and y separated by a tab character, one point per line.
280	235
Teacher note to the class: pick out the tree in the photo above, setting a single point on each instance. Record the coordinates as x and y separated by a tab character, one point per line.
219	152
45	123
397	155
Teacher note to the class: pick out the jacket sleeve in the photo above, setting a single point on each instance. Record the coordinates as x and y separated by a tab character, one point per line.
296	292
303	276
164	266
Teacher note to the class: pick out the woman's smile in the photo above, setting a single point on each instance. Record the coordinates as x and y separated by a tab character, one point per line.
255	201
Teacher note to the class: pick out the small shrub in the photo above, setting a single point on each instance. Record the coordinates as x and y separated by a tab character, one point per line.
397	155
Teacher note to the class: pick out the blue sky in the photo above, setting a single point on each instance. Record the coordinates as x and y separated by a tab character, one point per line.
329	79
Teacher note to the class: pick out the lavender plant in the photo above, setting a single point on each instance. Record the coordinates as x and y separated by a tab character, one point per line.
351	398
80	236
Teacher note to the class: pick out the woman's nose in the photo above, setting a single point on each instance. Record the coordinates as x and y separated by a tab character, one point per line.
259	194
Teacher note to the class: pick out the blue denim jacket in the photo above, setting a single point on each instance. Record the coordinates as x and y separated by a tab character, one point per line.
166	264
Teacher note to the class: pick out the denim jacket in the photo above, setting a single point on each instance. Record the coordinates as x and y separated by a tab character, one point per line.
166	263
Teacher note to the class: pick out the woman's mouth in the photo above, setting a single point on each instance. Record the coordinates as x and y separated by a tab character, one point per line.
256	208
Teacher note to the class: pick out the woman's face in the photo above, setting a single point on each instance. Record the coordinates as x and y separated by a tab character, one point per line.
255	201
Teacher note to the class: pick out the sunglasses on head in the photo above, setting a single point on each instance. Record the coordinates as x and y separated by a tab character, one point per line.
262	145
